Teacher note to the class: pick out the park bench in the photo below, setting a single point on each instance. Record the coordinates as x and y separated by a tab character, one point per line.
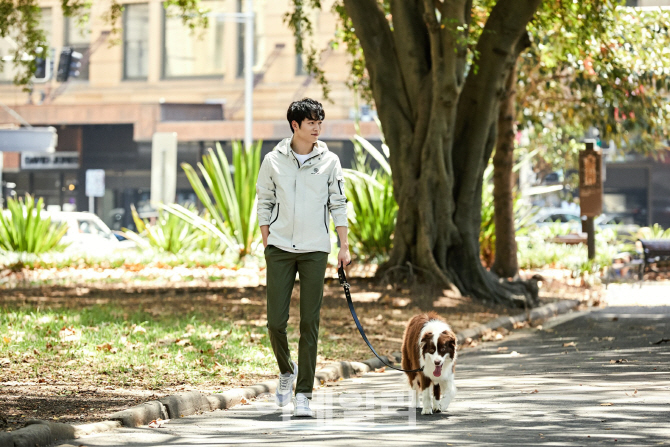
655	256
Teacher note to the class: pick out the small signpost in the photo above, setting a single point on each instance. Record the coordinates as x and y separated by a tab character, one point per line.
590	192
95	186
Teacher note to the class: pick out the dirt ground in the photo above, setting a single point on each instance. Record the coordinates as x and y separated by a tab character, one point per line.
383	311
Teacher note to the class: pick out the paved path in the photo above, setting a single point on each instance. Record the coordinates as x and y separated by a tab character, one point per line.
555	386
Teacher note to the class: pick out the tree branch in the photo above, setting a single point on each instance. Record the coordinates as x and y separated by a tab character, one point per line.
376	38
484	86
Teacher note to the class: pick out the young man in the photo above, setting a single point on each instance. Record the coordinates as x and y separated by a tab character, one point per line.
299	183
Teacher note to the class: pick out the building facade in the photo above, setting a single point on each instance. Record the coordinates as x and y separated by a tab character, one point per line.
157	75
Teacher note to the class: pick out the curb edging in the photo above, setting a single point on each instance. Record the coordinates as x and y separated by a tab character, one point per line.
45	433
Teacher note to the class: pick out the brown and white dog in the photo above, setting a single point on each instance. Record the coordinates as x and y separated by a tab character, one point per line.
430	343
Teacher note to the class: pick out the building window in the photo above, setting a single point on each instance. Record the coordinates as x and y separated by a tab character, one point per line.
136	41
9	68
78	36
196	53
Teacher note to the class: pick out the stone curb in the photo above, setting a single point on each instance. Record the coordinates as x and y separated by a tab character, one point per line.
44	433
541	313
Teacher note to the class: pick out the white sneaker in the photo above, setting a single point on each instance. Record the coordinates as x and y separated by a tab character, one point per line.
285	387
301	406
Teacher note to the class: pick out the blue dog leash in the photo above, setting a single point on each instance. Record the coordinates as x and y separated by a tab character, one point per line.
345	285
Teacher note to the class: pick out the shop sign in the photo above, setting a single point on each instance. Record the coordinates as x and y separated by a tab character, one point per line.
54	160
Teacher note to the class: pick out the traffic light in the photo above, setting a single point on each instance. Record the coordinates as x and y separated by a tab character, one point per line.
43	66
68	65
40	68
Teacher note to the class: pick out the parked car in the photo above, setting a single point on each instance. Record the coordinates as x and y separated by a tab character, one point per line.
87	232
564	217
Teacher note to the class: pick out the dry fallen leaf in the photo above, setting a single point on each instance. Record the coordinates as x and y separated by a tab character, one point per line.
244	400
106	347
502	348
572	343
69	334
608	404
158	423
603	338
633	394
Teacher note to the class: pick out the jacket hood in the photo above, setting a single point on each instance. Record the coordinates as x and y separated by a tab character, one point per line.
284	146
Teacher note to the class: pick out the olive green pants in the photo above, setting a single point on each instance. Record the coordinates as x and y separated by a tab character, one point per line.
281	269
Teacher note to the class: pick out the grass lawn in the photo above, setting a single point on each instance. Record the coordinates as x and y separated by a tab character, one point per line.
78	354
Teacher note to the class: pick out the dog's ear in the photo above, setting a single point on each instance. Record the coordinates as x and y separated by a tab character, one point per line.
426	338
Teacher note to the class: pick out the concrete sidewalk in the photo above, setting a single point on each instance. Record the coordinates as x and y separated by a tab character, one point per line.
585	378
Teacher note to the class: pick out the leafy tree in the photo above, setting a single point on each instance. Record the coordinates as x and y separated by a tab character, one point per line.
605	68
437	77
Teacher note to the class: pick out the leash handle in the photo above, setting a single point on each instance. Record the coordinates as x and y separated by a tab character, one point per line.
345	285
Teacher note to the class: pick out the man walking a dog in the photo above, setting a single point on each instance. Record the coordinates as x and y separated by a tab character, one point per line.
299	184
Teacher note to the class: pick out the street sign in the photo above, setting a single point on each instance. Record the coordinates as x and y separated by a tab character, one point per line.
95	182
590	181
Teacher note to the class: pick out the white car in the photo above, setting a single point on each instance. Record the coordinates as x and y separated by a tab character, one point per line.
552	216
86	232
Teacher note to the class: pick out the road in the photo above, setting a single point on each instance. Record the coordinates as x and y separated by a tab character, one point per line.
589	378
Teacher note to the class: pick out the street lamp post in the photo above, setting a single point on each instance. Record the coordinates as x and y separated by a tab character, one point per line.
248	19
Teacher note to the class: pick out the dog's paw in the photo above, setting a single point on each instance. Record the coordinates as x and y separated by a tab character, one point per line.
427	410
443	407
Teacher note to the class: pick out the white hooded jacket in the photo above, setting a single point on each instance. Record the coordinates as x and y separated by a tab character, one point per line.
295	200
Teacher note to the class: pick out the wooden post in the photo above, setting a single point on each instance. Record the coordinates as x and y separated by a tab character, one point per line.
590	238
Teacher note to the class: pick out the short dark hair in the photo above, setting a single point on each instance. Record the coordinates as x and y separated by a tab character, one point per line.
306	108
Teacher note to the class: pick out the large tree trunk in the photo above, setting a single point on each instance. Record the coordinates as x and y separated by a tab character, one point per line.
441	128
506	264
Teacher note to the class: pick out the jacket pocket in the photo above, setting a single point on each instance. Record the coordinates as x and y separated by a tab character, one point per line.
277	216
325	217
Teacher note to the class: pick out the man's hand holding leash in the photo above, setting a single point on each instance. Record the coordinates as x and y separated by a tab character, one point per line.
343	257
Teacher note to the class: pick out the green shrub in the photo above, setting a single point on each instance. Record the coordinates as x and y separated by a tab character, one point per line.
23	229
168	233
654	232
373	209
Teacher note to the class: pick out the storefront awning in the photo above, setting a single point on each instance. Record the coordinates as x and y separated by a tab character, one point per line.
28	139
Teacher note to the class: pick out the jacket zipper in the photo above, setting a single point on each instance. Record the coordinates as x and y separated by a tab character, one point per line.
339	185
325	217
276	217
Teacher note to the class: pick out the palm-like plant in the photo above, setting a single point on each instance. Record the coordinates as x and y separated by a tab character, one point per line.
232	204
23	229
654	232
169	233
370	193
